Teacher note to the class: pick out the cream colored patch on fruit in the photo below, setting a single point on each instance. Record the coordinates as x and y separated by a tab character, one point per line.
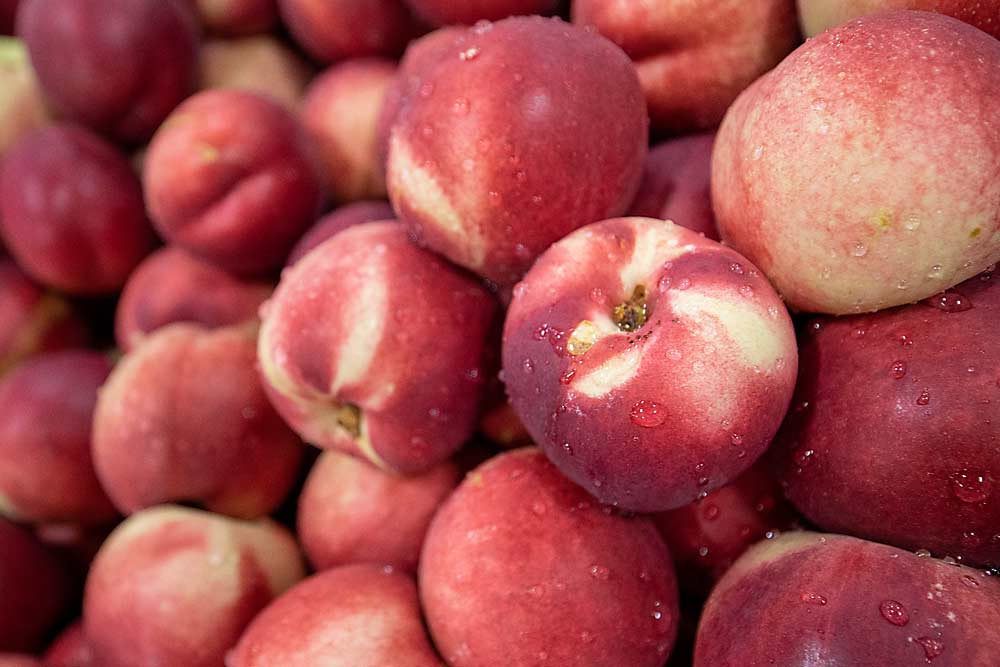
760	343
273	548
609	376
428	199
655	243
7	508
366	448
47	313
365	311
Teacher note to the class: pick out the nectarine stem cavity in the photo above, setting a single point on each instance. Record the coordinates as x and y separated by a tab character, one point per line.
631	315
349	419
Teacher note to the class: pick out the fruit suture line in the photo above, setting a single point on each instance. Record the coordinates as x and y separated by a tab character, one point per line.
376	333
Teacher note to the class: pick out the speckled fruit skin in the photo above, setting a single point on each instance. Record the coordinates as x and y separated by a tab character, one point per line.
521	567
22	108
340	112
708	535
694	57
118	66
835	600
819	15
34	320
46	410
447	12
337	221
237	17
648	420
861	173
70	649
171	285
332	30
36	590
183	417
229	178
354	616
352	512
501	153
175	586
71	210
367	319
918	462
676	185
260	64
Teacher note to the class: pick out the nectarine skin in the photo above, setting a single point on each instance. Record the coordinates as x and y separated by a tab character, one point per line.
70	649
500	153
675	185
175	586
917	464
171	285
229	178
118	66
331	30
337	221
46	411
374	346
354	616
71	210
694	57
522	568
352	512
183	417
835	600
861	173
819	15
260	64
448	12
237	17
651	364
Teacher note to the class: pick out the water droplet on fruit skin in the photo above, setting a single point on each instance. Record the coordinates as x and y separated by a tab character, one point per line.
803	457
814	599
970	581
894	612
932	647
712	512
922	553
898	370
924	398
950	301
859	250
971	487
600	572
470	53
528	365
647	414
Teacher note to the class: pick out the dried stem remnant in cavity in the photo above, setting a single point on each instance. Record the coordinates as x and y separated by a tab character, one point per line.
349	419
631	315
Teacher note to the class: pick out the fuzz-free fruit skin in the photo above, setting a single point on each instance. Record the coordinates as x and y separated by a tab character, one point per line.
340	112
352	512
331	30
353	616
917	464
71	210
229	177
176	586
675	184
260	64
819	15
860	173
373	346
34	320
835	600
19	660
46	411
677	403
183	417
446	12
521	567
500	153
337	221
694	57
172	285
36	590
118	66
708	535
70	649
237	17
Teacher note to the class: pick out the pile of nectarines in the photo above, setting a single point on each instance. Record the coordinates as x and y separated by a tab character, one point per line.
499	333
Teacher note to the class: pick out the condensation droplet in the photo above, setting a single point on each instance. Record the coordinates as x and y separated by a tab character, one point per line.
647	414
894	612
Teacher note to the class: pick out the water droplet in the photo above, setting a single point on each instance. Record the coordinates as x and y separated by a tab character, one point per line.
758	151
683	284
568	448
746	291
461	106
736	268
702	551
712	512
600	572
470	53
905	340
898	369
935	271
970	487
970	581
924	398
922	553
813	598
859	250
567	377
911	224
951	301
932	647
647	414
803	457
902	284
528	365
736	439
894	612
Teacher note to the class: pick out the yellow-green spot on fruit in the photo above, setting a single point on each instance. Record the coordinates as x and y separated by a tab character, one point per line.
975	232
631	315
208	153
882	220
12	52
476	478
